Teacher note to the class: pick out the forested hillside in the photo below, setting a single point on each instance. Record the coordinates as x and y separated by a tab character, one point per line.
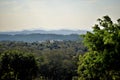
56	60
38	37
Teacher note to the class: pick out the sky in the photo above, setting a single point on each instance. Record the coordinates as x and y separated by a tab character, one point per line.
17	15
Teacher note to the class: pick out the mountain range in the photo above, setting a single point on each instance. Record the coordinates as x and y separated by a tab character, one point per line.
41	35
63	32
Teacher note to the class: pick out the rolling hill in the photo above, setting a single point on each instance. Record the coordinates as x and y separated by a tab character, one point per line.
41	35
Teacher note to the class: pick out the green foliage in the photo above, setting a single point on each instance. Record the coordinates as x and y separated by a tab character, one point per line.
102	61
38	48
56	65
15	65
56	60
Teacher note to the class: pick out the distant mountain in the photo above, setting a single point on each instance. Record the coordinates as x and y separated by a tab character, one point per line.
63	32
38	37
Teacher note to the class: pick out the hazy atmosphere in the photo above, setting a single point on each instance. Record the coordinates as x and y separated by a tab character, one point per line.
59	39
16	15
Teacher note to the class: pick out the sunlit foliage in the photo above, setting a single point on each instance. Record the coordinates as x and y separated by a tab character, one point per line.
102	61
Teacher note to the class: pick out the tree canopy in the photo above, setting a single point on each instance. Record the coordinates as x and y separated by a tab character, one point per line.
56	60
15	65
102	61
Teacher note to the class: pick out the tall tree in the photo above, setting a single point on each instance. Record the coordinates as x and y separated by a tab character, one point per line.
102	61
16	65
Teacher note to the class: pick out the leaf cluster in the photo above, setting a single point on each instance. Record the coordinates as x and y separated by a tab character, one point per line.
102	61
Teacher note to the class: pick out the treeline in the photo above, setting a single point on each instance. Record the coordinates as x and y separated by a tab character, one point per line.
49	60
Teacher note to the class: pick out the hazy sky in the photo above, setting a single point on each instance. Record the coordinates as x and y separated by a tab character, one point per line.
55	14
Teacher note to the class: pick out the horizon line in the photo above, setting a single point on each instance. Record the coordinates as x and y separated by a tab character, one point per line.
46	30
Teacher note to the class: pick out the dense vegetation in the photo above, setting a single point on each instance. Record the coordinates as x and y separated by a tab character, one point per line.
102	61
16	65
54	60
